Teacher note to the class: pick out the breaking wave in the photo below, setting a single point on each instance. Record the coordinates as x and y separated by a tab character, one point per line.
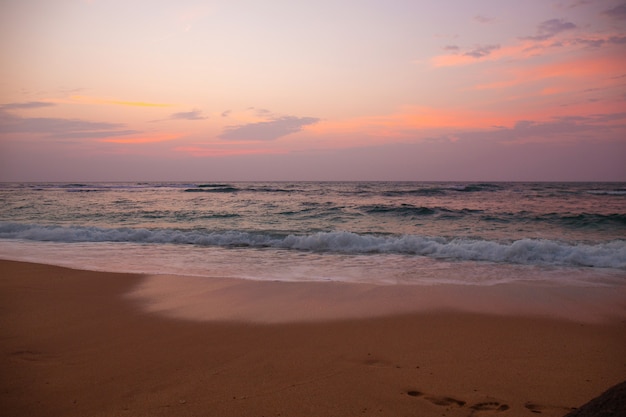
524	251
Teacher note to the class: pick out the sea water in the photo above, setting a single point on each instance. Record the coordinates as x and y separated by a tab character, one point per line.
374	232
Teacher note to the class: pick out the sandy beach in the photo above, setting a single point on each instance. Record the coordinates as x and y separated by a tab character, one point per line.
80	343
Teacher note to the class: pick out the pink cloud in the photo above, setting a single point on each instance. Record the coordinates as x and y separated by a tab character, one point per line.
601	70
527	47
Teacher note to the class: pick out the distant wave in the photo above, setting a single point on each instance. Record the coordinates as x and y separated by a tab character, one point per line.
227	188
434	190
525	251
570	220
401	189
212	190
590	219
411	210
392	191
618	192
213	185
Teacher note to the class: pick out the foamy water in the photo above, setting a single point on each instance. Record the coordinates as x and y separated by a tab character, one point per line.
386	233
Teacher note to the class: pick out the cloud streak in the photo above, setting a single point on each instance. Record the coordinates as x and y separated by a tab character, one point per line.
60	128
267	130
549	38
195	114
550	28
483	19
482	51
571	74
26	105
610	125
618	12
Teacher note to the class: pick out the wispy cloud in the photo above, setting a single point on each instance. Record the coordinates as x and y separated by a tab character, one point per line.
602	71
572	5
268	130
610	125
550	28
618	12
195	114
60	128
26	105
551	37
482	51
597	42
483	19
411	122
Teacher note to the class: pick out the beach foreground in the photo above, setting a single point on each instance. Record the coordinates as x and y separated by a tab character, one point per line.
77	343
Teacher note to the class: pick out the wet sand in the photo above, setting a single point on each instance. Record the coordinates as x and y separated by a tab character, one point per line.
79	343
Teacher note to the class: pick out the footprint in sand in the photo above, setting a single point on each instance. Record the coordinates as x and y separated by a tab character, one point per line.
538	409
482	408
489	407
535	408
437	400
29	355
446	401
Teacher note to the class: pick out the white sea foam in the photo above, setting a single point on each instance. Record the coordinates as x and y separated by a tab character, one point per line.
524	251
424	233
295	266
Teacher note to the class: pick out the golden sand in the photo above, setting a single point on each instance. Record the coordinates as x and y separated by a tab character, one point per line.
79	343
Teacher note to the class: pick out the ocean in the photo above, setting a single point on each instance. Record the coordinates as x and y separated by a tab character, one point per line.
387	233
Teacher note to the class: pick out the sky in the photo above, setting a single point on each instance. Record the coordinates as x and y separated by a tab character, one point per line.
482	90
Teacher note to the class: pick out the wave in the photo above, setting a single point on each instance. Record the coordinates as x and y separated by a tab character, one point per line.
213	185
525	251
411	210
366	189
402	210
419	192
227	188
569	220
592	219
430	190
470	188
74	185
617	192
212	190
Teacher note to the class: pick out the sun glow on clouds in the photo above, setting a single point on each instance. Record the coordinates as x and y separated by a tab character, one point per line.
526	49
599	71
185	80
410	119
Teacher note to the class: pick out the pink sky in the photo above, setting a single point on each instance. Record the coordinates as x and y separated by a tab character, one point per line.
136	90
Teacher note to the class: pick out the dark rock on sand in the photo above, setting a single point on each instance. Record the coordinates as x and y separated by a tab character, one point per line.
611	403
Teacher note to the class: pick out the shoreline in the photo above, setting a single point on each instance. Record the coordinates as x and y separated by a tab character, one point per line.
263	301
74	343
